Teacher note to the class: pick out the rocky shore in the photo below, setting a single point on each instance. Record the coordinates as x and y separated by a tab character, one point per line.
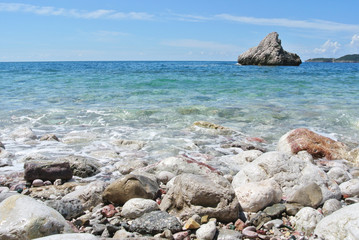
307	189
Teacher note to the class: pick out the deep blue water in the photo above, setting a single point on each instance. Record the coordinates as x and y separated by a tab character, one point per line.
158	100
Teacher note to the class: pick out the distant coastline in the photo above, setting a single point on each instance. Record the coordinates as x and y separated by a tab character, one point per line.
351	58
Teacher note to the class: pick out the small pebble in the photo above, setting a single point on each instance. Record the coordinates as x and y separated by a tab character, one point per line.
37	183
250	232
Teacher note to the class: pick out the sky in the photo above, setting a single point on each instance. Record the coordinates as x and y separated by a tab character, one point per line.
121	30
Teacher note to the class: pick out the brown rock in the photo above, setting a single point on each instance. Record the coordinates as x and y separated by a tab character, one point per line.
318	146
191	224
131	186
49	137
47	170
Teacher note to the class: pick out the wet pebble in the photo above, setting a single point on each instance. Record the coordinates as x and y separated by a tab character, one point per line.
37	183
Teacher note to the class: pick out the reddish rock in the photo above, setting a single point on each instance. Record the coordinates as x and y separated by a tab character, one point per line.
47	170
318	146
250	232
181	235
240	225
108	211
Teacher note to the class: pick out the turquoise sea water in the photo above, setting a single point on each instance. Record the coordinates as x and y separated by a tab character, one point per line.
157	102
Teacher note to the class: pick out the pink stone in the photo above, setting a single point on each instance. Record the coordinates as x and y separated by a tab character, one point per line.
250	232
181	235
108	211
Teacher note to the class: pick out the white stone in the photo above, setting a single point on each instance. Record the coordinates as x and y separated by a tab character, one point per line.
342	224
23	218
331	206
70	236
306	220
23	133
165	176
338	174
255	196
290	172
136	207
350	188
207	231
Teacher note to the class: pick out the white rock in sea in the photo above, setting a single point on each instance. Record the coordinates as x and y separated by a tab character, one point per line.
341	224
290	172
136	207
350	188
23	218
306	220
23	134
255	196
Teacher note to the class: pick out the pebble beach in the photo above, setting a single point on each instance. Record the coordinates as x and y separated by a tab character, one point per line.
178	150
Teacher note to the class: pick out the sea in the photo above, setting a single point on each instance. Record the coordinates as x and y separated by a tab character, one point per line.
90	105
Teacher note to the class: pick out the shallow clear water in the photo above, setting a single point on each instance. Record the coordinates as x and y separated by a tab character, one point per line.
157	102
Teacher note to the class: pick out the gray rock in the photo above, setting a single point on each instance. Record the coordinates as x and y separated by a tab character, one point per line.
338	174
227	234
37	183
350	188
23	218
128	187
292	208
83	166
123	234
309	195
277	223
269	52
70	236
165	176
155	222
306	220
69	209
136	207
47	170
331	206
275	210
341	224
90	195
207	231
2	145
204	195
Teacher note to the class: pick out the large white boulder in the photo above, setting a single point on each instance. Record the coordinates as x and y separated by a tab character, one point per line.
255	196
23	218
290	172
341	224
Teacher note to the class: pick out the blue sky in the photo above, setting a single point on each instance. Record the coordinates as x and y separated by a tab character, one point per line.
71	30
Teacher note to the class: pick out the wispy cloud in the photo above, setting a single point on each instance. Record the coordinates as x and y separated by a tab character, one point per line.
198	44
328	47
284	22
52	11
355	40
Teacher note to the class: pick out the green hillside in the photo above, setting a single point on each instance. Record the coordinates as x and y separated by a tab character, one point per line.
351	58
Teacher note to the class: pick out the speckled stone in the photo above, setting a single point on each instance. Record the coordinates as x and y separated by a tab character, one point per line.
155	222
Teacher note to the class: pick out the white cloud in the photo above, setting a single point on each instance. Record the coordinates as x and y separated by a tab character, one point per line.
328	47
355	40
284	22
193	43
51	11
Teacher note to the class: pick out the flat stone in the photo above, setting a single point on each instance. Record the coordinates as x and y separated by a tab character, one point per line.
155	222
47	170
277	223
275	210
70	236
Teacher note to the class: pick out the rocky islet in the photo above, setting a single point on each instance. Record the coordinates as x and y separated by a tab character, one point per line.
304	190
